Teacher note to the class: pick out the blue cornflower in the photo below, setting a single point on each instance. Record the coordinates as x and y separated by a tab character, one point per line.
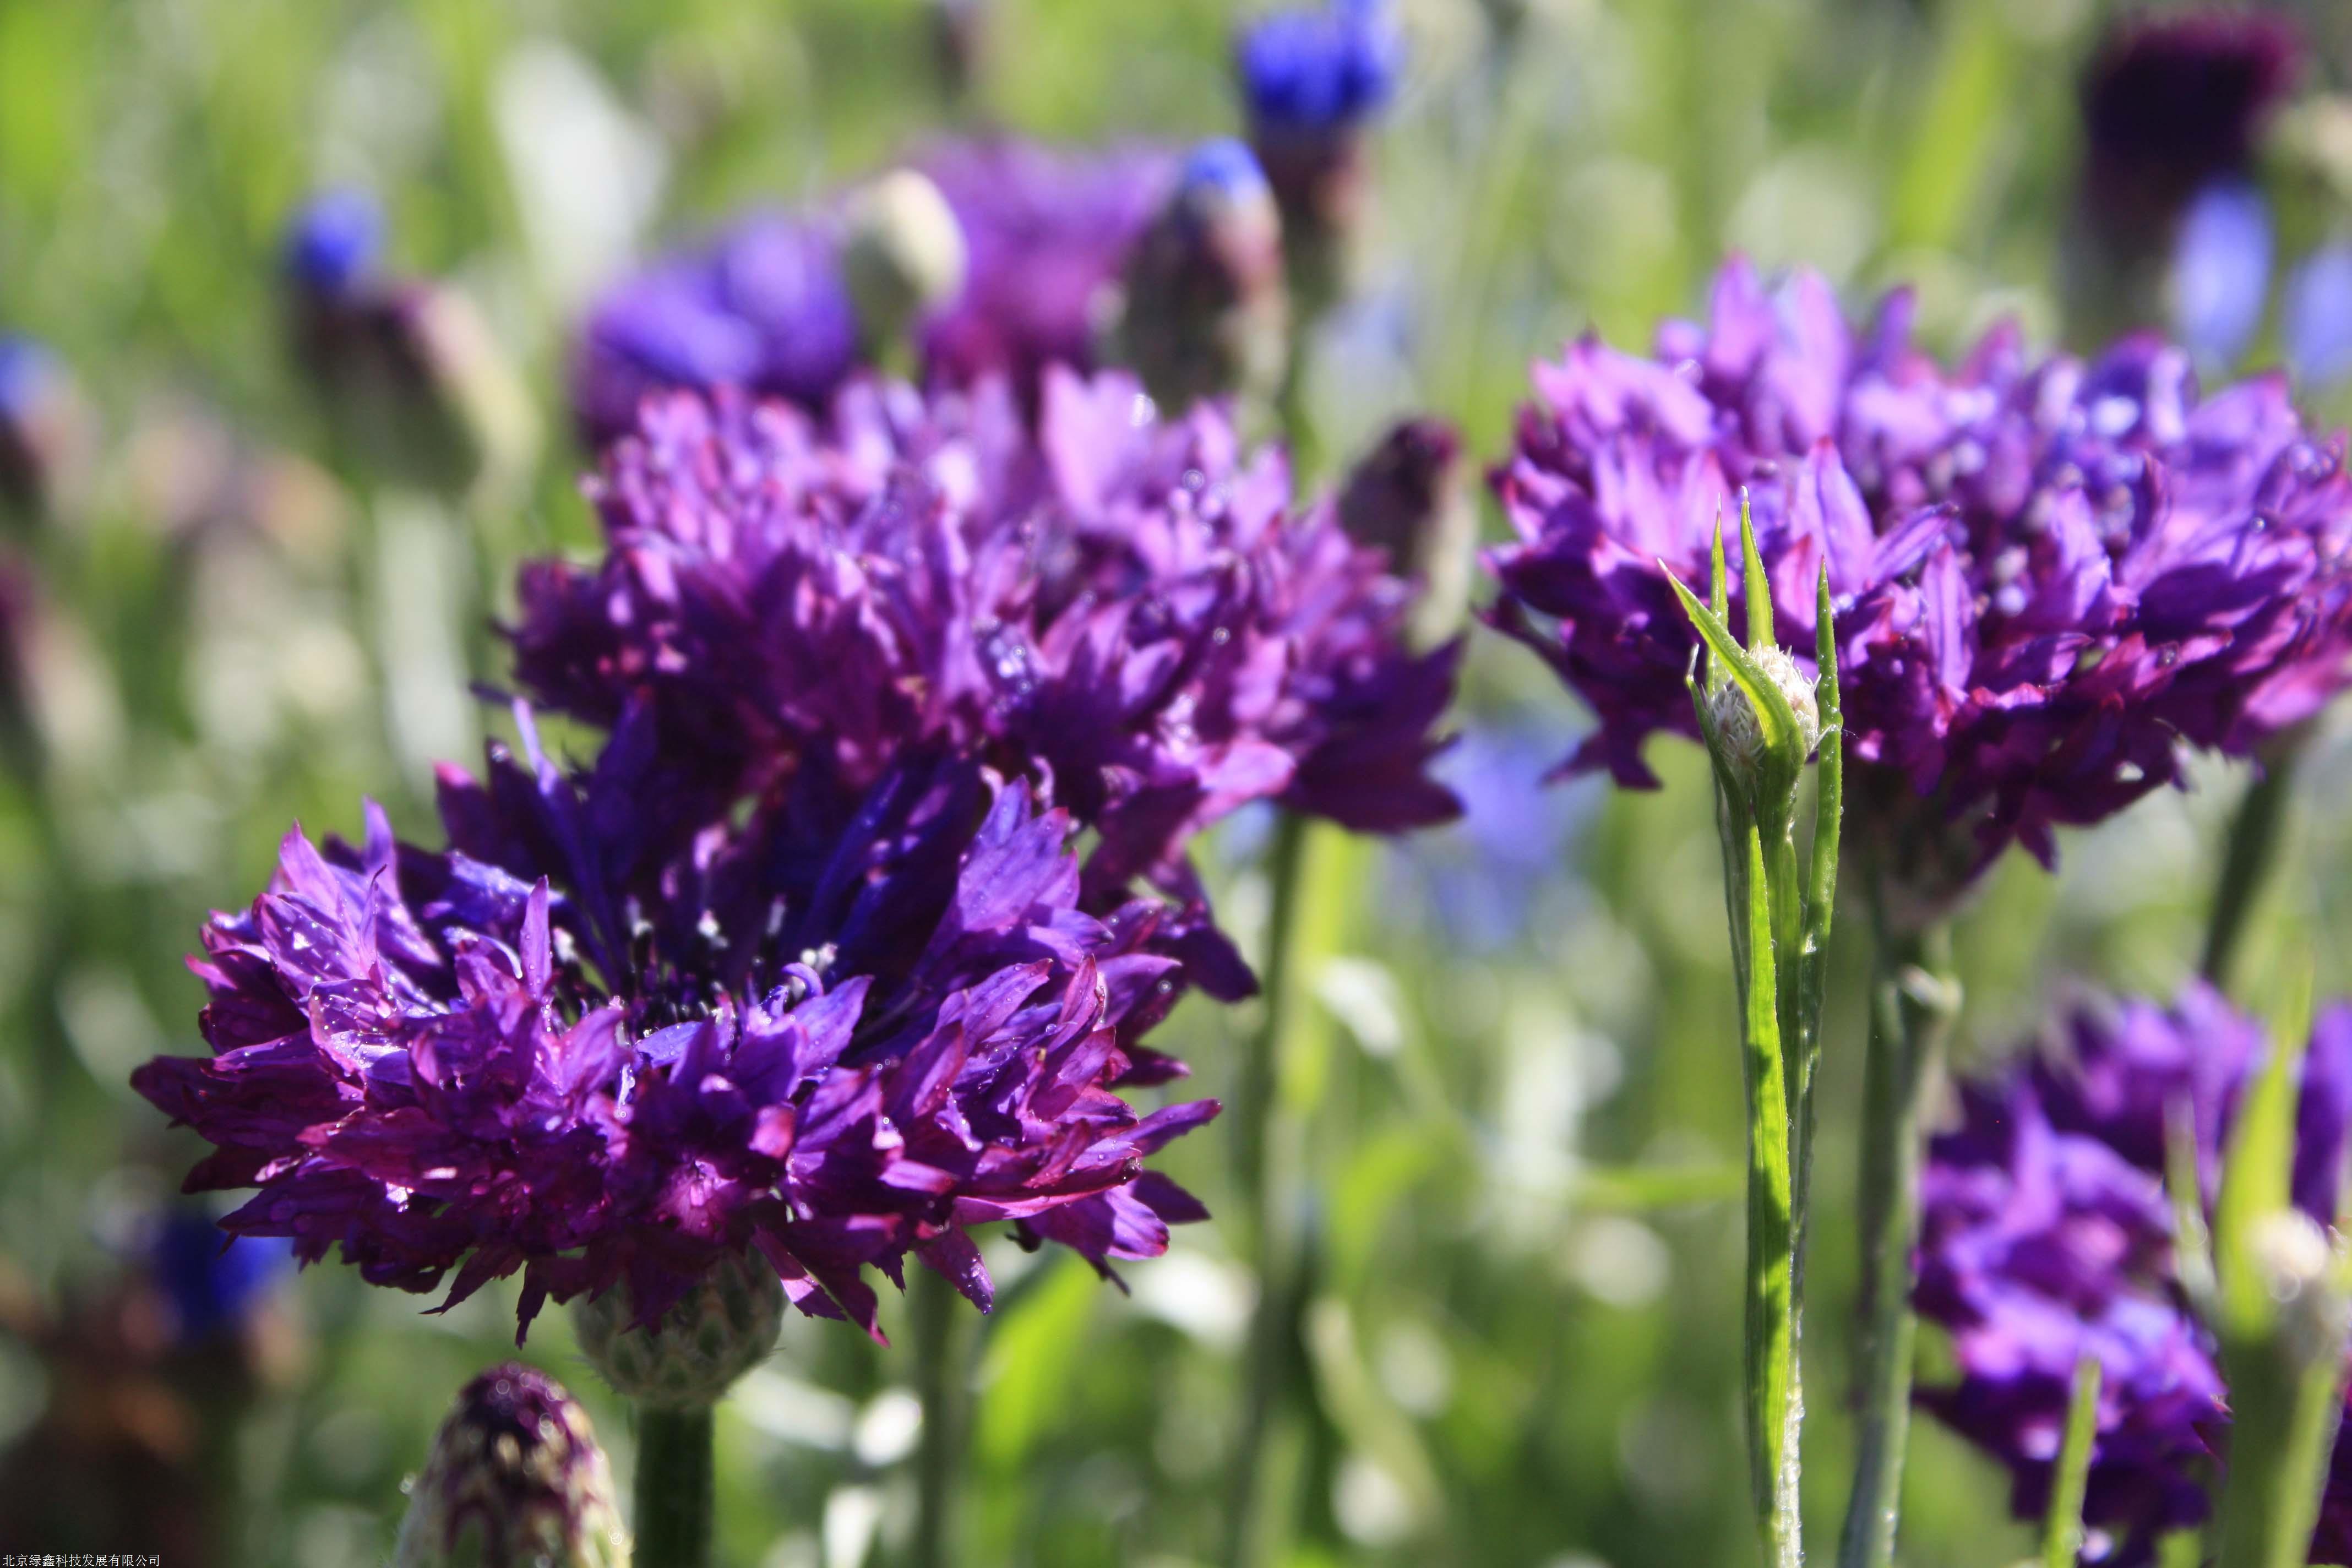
334	240
1320	69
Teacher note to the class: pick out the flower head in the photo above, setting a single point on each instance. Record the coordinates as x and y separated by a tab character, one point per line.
2047	576
2047	1236
763	305
516	1479
2171	102
1319	69
1048	232
334	241
601	1039
1123	609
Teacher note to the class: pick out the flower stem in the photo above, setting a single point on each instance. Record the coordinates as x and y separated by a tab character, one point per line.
1314	869
674	1487
2062	1530
942	1331
1914	1001
2252	849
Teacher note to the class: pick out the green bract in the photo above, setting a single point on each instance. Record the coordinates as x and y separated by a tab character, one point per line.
719	1330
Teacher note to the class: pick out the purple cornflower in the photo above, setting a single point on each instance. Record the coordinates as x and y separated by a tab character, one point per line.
2173	102
763	306
2048	577
1047	235
1123	609
2047	1236
600	1039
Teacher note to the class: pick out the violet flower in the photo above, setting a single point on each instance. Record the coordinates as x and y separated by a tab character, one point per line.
2047	1236
599	1040
762	305
2048	576
2173	102
1125	609
1047	234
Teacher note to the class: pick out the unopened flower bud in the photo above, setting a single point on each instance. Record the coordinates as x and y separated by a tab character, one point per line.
2299	1272
1312	81
412	384
962	36
46	440
516	1480
1206	312
903	254
1407	498
1740	728
723	1328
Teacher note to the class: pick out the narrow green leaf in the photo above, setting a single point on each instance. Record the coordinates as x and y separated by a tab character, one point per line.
1819	900
1755	584
2062	1530
1718	599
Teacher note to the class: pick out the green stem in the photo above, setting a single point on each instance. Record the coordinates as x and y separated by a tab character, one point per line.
1314	871
2253	851
2288	1414
1775	1402
1264	1160
674	1487
1914	1001
942	1333
2062	1530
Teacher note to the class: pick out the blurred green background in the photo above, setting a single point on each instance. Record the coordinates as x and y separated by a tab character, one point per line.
1524	1333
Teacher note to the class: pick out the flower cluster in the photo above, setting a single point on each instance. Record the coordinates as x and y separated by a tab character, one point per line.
600	1041
2046	574
1123	609
2047	1236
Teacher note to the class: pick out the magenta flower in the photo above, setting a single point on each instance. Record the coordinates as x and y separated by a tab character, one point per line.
2048	576
599	1039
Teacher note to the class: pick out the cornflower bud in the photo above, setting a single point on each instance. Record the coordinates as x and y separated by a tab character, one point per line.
516	1479
1206	312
